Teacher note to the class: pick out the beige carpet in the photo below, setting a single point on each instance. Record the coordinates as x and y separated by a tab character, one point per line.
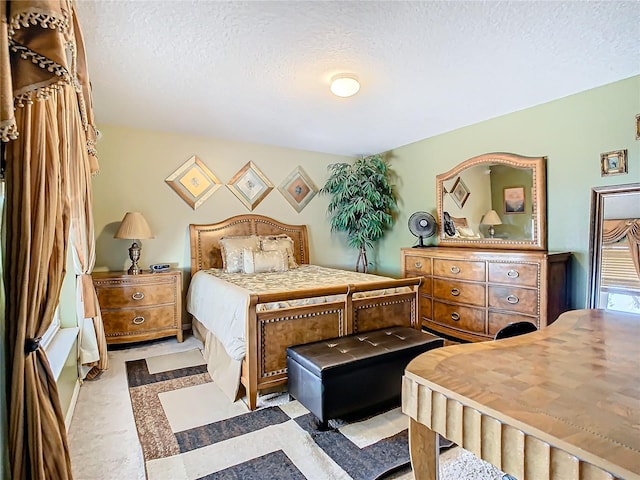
104	444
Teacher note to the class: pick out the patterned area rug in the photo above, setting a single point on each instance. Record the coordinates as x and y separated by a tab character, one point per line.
189	430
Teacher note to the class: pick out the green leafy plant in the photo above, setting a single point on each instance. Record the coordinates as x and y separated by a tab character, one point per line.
362	202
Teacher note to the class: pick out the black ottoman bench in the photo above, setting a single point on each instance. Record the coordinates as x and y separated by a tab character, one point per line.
355	373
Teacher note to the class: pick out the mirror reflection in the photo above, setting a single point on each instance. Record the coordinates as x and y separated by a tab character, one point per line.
496	200
498	203
615	248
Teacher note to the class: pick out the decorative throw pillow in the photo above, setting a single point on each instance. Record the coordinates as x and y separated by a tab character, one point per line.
467	232
260	261
280	242
232	248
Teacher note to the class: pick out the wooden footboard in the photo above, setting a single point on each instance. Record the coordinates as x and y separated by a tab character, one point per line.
359	309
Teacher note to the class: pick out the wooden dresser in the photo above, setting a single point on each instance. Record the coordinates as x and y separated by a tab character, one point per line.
469	294
140	307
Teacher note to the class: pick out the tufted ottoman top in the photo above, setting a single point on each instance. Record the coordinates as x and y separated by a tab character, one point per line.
345	352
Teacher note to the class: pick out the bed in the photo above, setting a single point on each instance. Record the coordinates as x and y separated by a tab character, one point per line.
341	309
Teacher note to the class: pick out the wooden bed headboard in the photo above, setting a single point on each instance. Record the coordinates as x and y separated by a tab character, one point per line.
204	238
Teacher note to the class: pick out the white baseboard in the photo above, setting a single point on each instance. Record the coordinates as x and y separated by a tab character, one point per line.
72	405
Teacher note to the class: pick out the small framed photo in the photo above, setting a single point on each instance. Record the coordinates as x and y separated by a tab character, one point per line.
298	189
194	182
613	163
514	199
638	127
460	192
250	185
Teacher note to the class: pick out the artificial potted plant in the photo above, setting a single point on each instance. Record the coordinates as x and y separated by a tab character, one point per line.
362	202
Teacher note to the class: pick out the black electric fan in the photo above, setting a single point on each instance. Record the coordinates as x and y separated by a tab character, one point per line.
422	225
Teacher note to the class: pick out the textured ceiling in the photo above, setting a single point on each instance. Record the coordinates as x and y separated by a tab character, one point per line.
259	71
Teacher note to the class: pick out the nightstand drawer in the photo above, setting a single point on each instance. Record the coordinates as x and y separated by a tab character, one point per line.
140	307
125	296
138	320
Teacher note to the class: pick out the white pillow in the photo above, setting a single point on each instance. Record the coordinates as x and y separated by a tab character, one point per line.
467	232
282	243
260	261
232	250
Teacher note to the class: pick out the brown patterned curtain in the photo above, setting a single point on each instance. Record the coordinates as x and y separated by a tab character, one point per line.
615	230
46	118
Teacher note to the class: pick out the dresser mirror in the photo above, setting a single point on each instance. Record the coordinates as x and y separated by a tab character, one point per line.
614	248
495	200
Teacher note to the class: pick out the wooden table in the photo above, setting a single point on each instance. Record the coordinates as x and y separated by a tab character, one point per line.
562	403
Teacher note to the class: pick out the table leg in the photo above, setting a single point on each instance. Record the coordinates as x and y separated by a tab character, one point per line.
424	449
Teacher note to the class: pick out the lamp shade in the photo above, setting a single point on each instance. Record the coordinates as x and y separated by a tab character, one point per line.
491	218
133	226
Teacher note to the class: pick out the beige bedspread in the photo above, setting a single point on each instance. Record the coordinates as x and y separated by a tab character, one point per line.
219	301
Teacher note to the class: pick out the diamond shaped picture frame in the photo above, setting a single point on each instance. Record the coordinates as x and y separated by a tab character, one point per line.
250	185
298	189
194	182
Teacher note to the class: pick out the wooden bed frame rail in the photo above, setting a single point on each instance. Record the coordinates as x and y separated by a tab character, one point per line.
270	332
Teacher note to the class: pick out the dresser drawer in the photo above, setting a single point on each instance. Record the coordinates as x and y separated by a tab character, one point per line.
459	292
425	307
142	295
417	265
459	269
426	286
457	316
499	320
521	300
514	274
138	320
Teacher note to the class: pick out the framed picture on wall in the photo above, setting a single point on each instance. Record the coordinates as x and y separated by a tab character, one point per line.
613	163
513	198
194	182
250	185
298	189
460	192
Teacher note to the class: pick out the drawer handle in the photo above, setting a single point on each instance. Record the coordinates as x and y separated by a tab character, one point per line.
513	274
455	269
138	320
418	264
455	292
455	316
138	296
512	299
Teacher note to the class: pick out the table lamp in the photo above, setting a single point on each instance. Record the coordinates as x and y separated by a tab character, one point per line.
491	218
134	227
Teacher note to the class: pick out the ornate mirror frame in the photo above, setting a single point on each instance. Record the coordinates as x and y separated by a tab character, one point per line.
599	197
538	197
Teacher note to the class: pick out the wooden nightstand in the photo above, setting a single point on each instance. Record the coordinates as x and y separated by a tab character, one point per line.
140	307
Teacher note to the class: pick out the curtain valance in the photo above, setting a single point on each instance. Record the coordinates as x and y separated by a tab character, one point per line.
42	46
615	230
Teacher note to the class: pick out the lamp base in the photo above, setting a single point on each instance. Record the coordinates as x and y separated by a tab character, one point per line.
134	270
134	255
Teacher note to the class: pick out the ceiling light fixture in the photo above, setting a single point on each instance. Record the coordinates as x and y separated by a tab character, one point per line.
344	85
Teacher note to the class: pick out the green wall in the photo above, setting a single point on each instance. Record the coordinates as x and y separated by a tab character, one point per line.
571	132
